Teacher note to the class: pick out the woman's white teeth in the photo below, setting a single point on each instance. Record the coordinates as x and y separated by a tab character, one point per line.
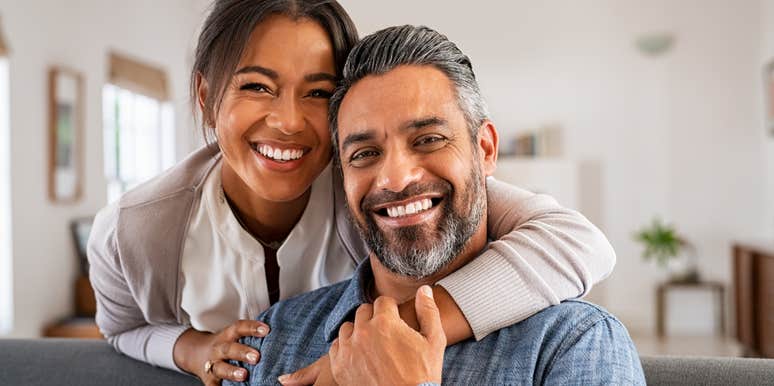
410	208
280	155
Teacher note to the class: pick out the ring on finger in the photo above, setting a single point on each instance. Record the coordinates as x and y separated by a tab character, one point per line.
208	367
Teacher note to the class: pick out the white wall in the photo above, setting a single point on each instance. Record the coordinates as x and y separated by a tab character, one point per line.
676	136
6	277
767	56
77	34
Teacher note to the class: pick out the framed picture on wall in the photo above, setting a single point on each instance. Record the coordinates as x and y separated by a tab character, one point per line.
65	131
769	88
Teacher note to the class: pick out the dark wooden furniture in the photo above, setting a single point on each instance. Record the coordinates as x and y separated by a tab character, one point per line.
754	296
718	289
82	325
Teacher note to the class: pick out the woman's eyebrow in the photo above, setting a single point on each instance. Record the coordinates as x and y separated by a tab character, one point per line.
258	69
321	76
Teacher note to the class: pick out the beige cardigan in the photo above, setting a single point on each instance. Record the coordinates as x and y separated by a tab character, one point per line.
545	254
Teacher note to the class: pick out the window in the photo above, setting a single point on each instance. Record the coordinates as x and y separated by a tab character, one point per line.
6	266
138	124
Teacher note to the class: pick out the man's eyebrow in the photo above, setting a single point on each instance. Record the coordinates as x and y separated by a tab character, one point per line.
261	70
421	123
354	138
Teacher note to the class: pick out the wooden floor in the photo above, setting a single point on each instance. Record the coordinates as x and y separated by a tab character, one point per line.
687	346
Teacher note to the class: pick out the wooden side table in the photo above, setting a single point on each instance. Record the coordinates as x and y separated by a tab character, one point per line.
83	328
720	300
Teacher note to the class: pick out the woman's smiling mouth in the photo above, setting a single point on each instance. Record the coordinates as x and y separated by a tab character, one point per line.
278	157
278	153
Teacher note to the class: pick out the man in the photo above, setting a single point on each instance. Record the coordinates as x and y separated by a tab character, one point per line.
414	145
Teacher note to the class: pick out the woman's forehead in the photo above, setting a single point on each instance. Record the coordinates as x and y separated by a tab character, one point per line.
287	45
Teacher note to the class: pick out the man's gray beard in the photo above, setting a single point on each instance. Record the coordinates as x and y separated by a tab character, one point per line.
402	256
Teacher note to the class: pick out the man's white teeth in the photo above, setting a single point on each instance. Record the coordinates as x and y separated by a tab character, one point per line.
280	155
410	208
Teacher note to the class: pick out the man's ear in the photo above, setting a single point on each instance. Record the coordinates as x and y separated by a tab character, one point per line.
201	97
487	143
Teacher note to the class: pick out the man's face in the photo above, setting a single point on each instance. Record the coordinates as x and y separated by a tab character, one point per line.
413	176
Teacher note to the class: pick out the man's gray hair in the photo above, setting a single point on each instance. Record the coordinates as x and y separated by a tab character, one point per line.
391	47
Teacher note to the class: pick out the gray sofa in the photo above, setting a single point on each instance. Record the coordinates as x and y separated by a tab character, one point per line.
92	362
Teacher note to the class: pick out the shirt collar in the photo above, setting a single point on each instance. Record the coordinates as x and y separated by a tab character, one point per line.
353	296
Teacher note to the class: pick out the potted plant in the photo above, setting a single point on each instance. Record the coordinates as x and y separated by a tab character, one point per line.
669	250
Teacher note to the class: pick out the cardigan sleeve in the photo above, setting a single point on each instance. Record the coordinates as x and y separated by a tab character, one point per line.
119	317
543	254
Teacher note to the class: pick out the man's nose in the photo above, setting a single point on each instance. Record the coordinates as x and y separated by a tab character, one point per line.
286	115
397	172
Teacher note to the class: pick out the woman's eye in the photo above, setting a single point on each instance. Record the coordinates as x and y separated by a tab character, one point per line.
257	87
319	93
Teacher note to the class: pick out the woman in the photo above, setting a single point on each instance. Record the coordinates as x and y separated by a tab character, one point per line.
183	264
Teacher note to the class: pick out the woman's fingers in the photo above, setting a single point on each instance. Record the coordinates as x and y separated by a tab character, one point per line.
238	352
245	327
225	347
223	370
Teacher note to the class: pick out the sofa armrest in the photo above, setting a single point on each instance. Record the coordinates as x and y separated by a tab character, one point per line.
667	370
78	362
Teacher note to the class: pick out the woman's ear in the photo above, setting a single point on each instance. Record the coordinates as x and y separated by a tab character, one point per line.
201	98
487	147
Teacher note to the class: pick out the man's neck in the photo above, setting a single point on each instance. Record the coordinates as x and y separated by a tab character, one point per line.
403	288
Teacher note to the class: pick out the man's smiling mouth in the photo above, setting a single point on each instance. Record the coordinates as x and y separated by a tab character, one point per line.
412	207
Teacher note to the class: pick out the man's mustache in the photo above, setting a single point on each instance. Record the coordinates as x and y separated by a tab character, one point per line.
384	196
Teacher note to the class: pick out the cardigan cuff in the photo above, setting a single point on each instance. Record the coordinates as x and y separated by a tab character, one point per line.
492	294
161	345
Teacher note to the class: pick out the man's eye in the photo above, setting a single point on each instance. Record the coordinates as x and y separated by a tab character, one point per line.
319	93
429	140
257	87
362	155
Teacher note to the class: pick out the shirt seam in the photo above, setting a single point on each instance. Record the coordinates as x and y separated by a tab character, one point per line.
583	328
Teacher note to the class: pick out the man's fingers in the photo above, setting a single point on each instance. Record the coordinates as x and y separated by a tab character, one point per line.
428	316
246	327
333	352
385	305
364	313
305	376
224	370
345	331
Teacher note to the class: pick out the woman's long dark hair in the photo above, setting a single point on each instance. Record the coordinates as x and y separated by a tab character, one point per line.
227	30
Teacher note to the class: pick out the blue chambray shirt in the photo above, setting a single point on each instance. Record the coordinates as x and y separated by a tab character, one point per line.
573	343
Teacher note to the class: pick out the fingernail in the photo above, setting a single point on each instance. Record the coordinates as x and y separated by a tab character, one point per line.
252	357
283	378
426	291
262	331
241	373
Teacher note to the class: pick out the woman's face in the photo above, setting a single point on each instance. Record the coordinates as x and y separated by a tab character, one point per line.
272	125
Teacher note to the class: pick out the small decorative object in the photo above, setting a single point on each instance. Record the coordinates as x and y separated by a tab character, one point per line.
655	44
80	230
670	251
769	90
65	130
545	141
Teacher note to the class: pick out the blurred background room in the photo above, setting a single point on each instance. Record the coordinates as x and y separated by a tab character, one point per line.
654	118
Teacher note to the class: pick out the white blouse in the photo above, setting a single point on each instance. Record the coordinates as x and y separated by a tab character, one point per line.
223	265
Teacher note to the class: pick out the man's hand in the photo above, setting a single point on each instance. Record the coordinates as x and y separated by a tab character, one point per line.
318	374
379	348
